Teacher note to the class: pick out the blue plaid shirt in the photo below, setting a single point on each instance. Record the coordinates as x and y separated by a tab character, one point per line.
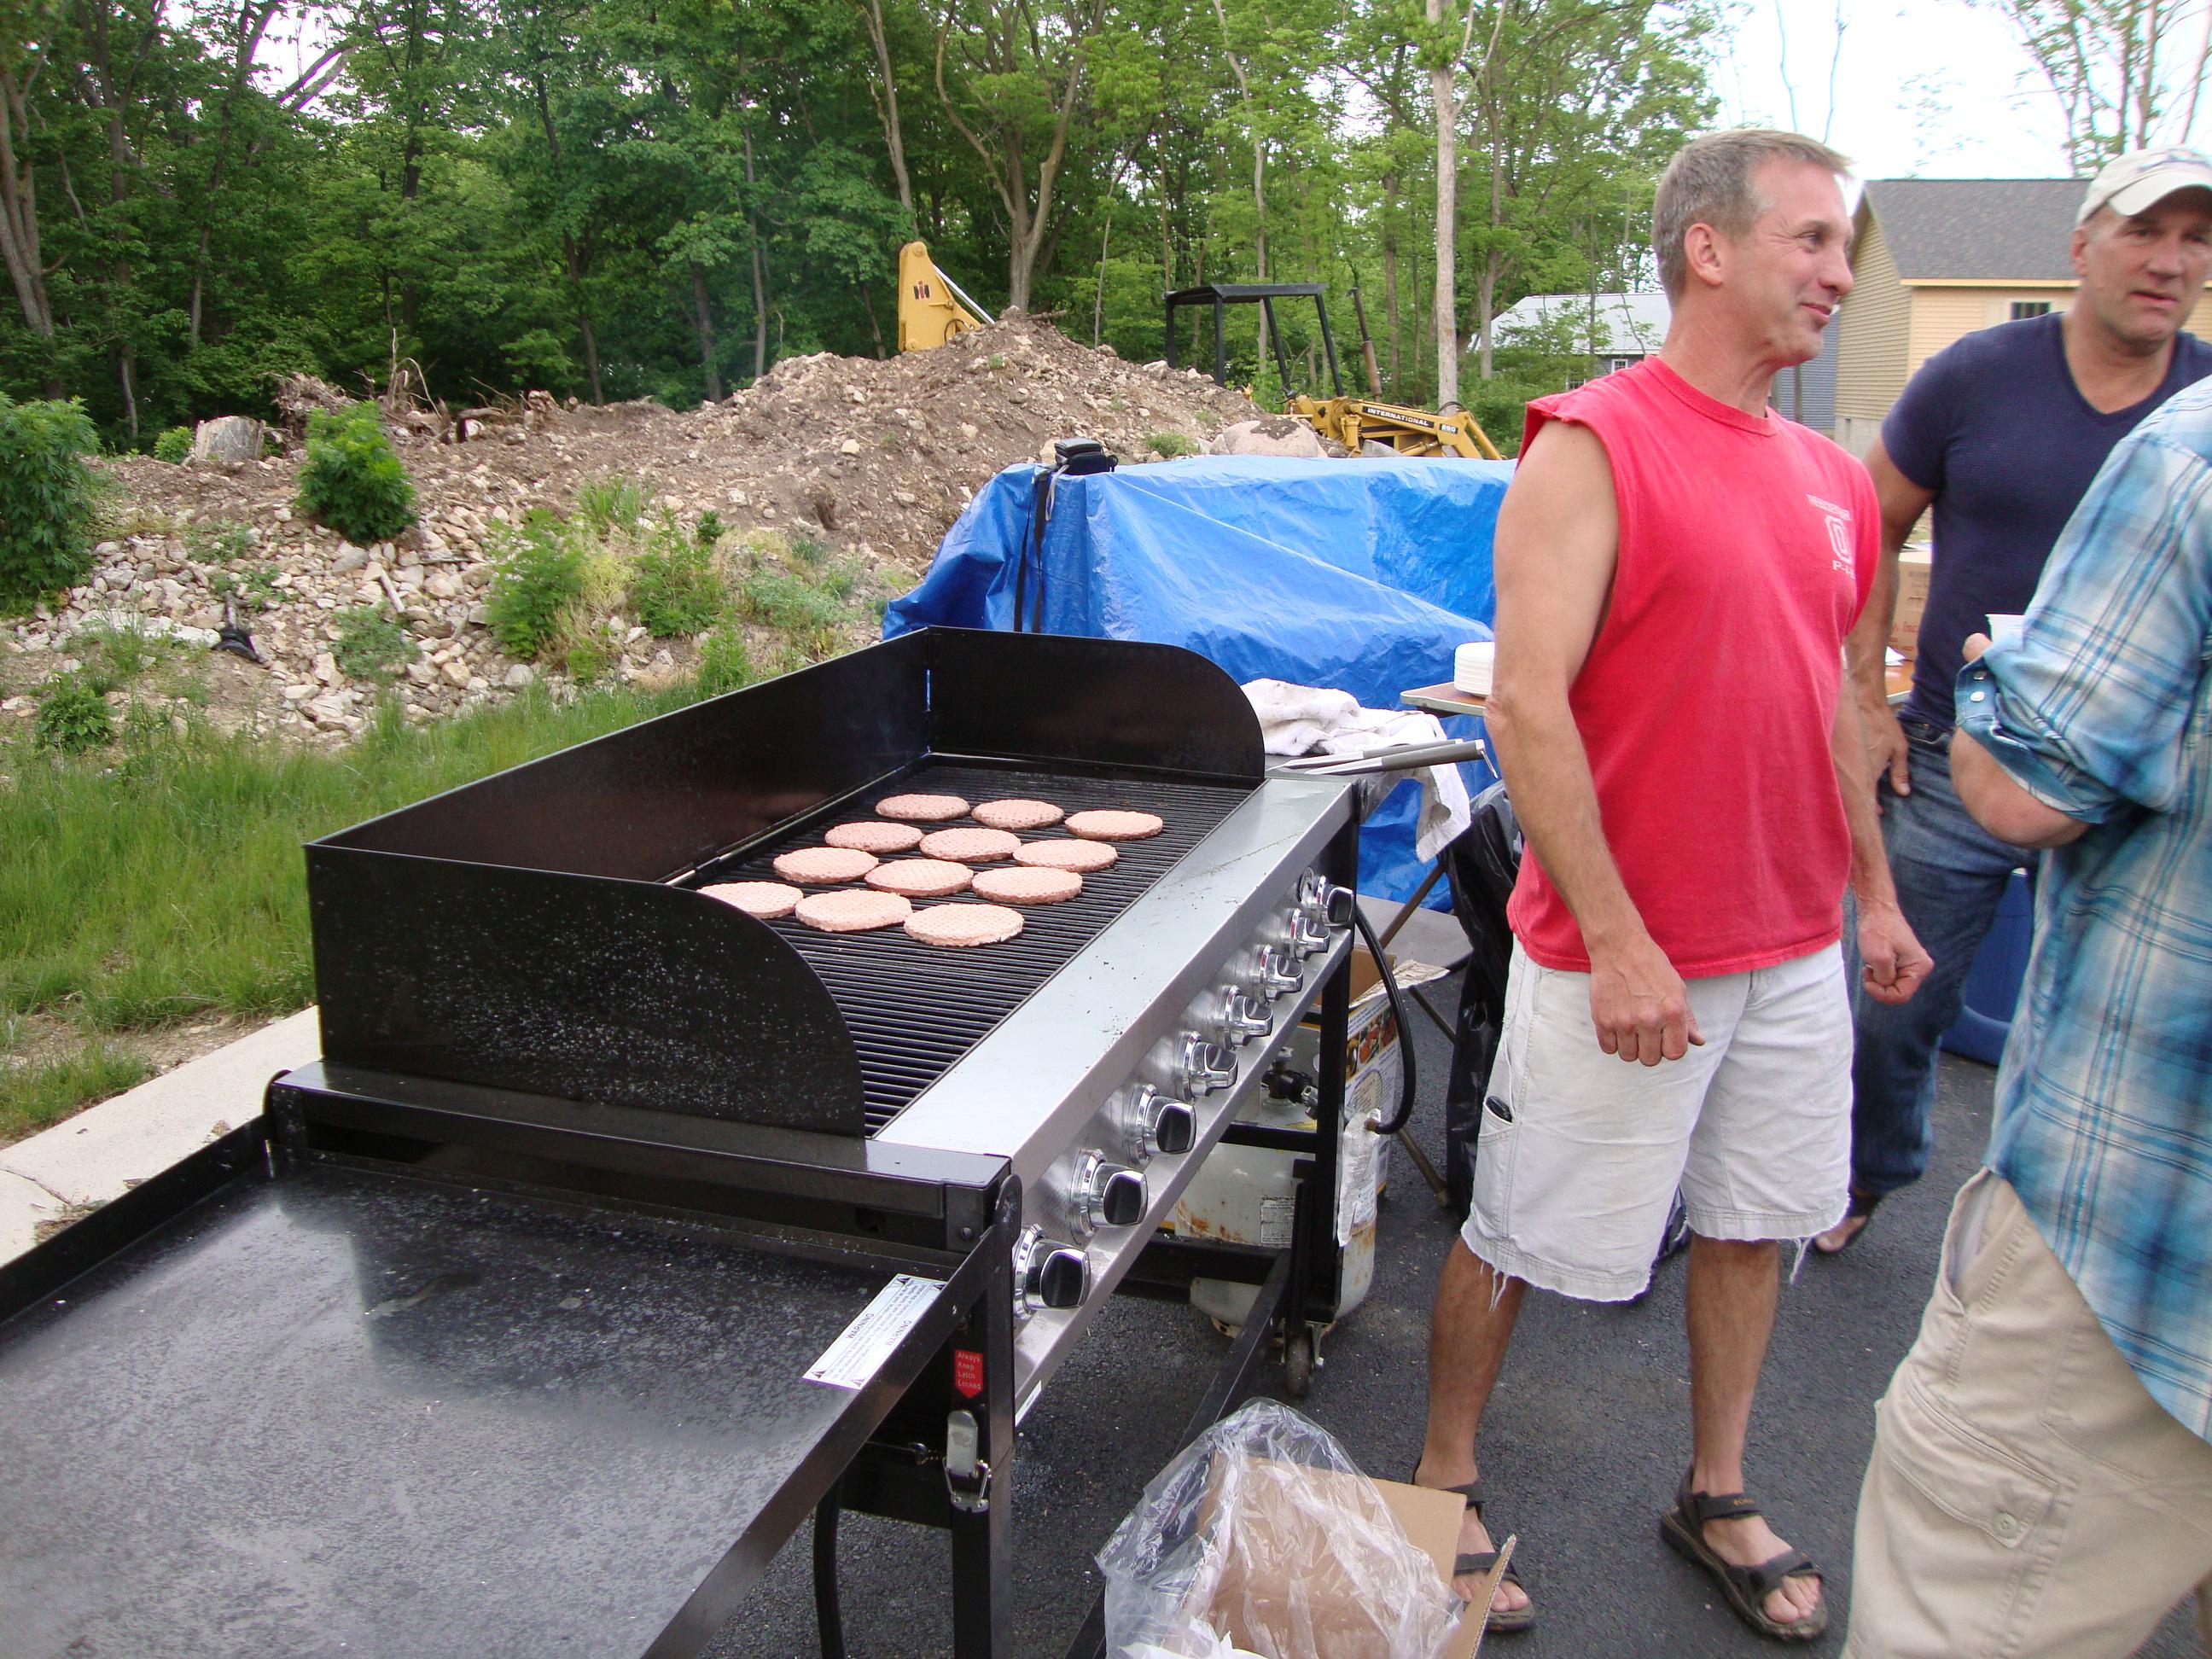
2103	710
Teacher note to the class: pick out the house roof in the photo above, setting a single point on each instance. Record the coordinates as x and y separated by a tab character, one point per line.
1627	322
1995	230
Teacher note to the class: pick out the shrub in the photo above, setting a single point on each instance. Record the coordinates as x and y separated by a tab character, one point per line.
174	445
372	646
588	658
47	496
786	602
673	587
724	663
808	552
540	576
130	650
73	716
353	481
709	530
609	504
1170	444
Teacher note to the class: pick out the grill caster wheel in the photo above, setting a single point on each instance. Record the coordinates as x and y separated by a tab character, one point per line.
1299	1362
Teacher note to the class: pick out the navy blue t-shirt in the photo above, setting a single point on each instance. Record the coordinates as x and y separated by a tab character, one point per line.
1994	425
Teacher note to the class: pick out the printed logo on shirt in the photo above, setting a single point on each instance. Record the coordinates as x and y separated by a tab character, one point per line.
1839	533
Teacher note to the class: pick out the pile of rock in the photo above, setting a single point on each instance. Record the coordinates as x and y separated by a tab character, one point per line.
873	458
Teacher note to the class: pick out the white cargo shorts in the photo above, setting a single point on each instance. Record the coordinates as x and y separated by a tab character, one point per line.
1581	1152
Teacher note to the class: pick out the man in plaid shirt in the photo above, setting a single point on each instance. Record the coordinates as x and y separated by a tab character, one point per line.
2041	1481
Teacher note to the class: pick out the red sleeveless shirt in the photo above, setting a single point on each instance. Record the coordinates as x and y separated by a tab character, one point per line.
1747	545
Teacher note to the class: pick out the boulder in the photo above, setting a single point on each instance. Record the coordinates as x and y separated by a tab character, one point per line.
227	438
1271	434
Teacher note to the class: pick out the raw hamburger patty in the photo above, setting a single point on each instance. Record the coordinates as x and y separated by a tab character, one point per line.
921	809
1026	886
969	846
855	910
819	866
961	925
1070	854
1108	825
919	878
872	837
1017	814
766	899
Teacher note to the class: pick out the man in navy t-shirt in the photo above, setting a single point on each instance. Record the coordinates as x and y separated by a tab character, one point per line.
2000	434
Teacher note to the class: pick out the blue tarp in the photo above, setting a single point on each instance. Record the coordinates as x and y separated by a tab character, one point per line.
1364	575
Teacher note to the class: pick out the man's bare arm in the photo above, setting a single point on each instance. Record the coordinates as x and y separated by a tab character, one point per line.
2000	805
1895	963
1558	539
1902	502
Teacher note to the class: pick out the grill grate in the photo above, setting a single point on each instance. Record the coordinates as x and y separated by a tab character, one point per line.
915	1009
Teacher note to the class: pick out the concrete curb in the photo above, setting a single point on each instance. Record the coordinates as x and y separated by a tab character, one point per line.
107	1149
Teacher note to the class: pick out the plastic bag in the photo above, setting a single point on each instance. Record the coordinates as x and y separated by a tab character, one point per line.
1261	1536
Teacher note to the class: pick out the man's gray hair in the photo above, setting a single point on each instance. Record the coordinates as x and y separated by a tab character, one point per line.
1709	182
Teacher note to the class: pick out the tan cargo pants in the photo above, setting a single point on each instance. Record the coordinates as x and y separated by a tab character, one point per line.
2026	1496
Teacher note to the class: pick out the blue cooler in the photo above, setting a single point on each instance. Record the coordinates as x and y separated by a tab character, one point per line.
1993	982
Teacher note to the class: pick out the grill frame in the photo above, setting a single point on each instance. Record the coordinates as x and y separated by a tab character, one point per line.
524	932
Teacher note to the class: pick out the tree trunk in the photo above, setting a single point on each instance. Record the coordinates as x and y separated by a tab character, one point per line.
577	266
1445	310
1390	271
703	318
253	23
1098	299
760	271
887	110
19	209
1259	153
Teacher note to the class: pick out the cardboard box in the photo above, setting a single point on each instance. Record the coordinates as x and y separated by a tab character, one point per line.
1913	568
1284	1530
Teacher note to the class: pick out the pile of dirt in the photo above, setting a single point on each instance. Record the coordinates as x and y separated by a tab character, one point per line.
873	458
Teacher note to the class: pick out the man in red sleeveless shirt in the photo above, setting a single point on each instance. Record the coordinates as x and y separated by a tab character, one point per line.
1678	566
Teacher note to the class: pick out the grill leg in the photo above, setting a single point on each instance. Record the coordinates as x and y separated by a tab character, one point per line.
828	1622
983	1611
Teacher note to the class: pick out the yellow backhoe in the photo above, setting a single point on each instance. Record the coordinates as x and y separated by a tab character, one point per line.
932	308
1355	422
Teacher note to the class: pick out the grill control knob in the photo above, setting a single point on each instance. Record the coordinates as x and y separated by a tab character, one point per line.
1109	1195
1246	1018
1152	1123
1048	1274
1280	971
1204	1067
1310	933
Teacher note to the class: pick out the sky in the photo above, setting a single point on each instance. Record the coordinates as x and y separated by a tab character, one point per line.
1932	89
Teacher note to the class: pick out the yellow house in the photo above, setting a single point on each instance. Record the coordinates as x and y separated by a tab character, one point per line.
1939	257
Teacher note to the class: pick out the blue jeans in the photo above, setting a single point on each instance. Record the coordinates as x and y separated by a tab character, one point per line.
1950	874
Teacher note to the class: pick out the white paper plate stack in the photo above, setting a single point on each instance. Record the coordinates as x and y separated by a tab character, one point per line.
1471	666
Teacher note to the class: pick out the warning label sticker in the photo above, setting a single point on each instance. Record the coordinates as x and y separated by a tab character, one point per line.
860	1351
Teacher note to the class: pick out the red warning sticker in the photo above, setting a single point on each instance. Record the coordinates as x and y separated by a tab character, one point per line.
968	1372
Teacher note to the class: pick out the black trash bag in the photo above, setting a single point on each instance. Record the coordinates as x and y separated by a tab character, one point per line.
1481	865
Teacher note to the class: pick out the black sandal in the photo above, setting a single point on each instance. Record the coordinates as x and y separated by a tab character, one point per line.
1861	1208
1500	1621
1747	1589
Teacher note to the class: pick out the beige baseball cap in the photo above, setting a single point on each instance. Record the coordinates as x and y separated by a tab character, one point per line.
2144	178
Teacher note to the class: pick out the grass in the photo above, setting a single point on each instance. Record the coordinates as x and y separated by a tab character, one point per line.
156	877
133	896
33	1097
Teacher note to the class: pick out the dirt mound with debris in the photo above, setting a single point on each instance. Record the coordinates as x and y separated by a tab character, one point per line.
873	459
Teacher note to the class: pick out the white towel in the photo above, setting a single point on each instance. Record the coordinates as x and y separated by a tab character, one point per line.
1303	720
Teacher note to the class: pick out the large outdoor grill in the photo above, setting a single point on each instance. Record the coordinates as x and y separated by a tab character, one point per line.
540	1044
